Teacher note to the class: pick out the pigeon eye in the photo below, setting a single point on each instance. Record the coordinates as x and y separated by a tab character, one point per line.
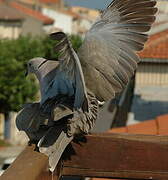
30	64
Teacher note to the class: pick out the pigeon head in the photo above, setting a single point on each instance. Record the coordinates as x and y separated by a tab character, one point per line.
34	65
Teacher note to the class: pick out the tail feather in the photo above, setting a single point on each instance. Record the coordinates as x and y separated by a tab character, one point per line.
53	145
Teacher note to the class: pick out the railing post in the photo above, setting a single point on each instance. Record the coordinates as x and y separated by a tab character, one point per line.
28	166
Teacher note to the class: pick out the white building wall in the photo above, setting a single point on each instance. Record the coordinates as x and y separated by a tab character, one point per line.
16	137
9	30
62	21
48	28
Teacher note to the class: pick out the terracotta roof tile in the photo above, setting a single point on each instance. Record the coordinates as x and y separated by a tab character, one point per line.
37	15
158	126
156	46
147	127
162	124
119	130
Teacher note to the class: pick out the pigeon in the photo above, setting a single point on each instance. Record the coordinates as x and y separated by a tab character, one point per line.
98	72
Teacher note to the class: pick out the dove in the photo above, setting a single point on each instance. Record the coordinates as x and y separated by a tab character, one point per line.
107	55
98	72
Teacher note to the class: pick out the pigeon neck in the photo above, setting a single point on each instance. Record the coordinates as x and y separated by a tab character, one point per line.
39	75
46	74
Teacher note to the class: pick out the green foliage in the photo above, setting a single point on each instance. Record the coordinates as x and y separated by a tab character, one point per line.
15	89
76	41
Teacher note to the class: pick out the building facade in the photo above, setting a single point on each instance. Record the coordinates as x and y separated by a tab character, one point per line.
10	22
62	21
151	86
153	69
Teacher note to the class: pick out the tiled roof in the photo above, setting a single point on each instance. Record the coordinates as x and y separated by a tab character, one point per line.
159	126
49	1
87	13
35	14
156	47
41	1
9	14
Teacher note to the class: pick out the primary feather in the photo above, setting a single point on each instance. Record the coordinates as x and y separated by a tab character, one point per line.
108	53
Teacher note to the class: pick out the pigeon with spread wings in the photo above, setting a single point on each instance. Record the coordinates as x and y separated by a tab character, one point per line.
101	68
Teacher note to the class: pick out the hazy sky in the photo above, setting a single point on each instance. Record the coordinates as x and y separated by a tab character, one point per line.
98	4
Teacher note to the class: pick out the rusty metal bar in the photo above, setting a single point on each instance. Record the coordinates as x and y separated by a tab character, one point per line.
103	155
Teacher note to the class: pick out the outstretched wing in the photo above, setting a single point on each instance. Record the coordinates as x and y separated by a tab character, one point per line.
70	70
108	54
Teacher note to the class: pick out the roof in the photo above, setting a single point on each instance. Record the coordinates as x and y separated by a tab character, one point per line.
159	126
44	3
49	1
87	13
9	14
30	12
41	1
70	13
156	47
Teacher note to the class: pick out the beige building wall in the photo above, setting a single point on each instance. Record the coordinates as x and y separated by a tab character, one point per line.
16	137
10	30
152	74
86	11
32	26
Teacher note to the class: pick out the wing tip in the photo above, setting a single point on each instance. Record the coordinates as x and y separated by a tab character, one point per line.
57	36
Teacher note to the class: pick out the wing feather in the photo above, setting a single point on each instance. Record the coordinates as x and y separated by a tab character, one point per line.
70	68
109	48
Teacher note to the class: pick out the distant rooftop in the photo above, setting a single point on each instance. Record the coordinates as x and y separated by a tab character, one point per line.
49	1
156	47
40	1
9	14
85	12
35	14
158	126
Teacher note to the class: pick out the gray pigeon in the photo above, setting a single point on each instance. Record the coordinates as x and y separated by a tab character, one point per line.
99	71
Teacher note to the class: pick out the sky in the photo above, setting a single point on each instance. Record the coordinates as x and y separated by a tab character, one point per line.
95	4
